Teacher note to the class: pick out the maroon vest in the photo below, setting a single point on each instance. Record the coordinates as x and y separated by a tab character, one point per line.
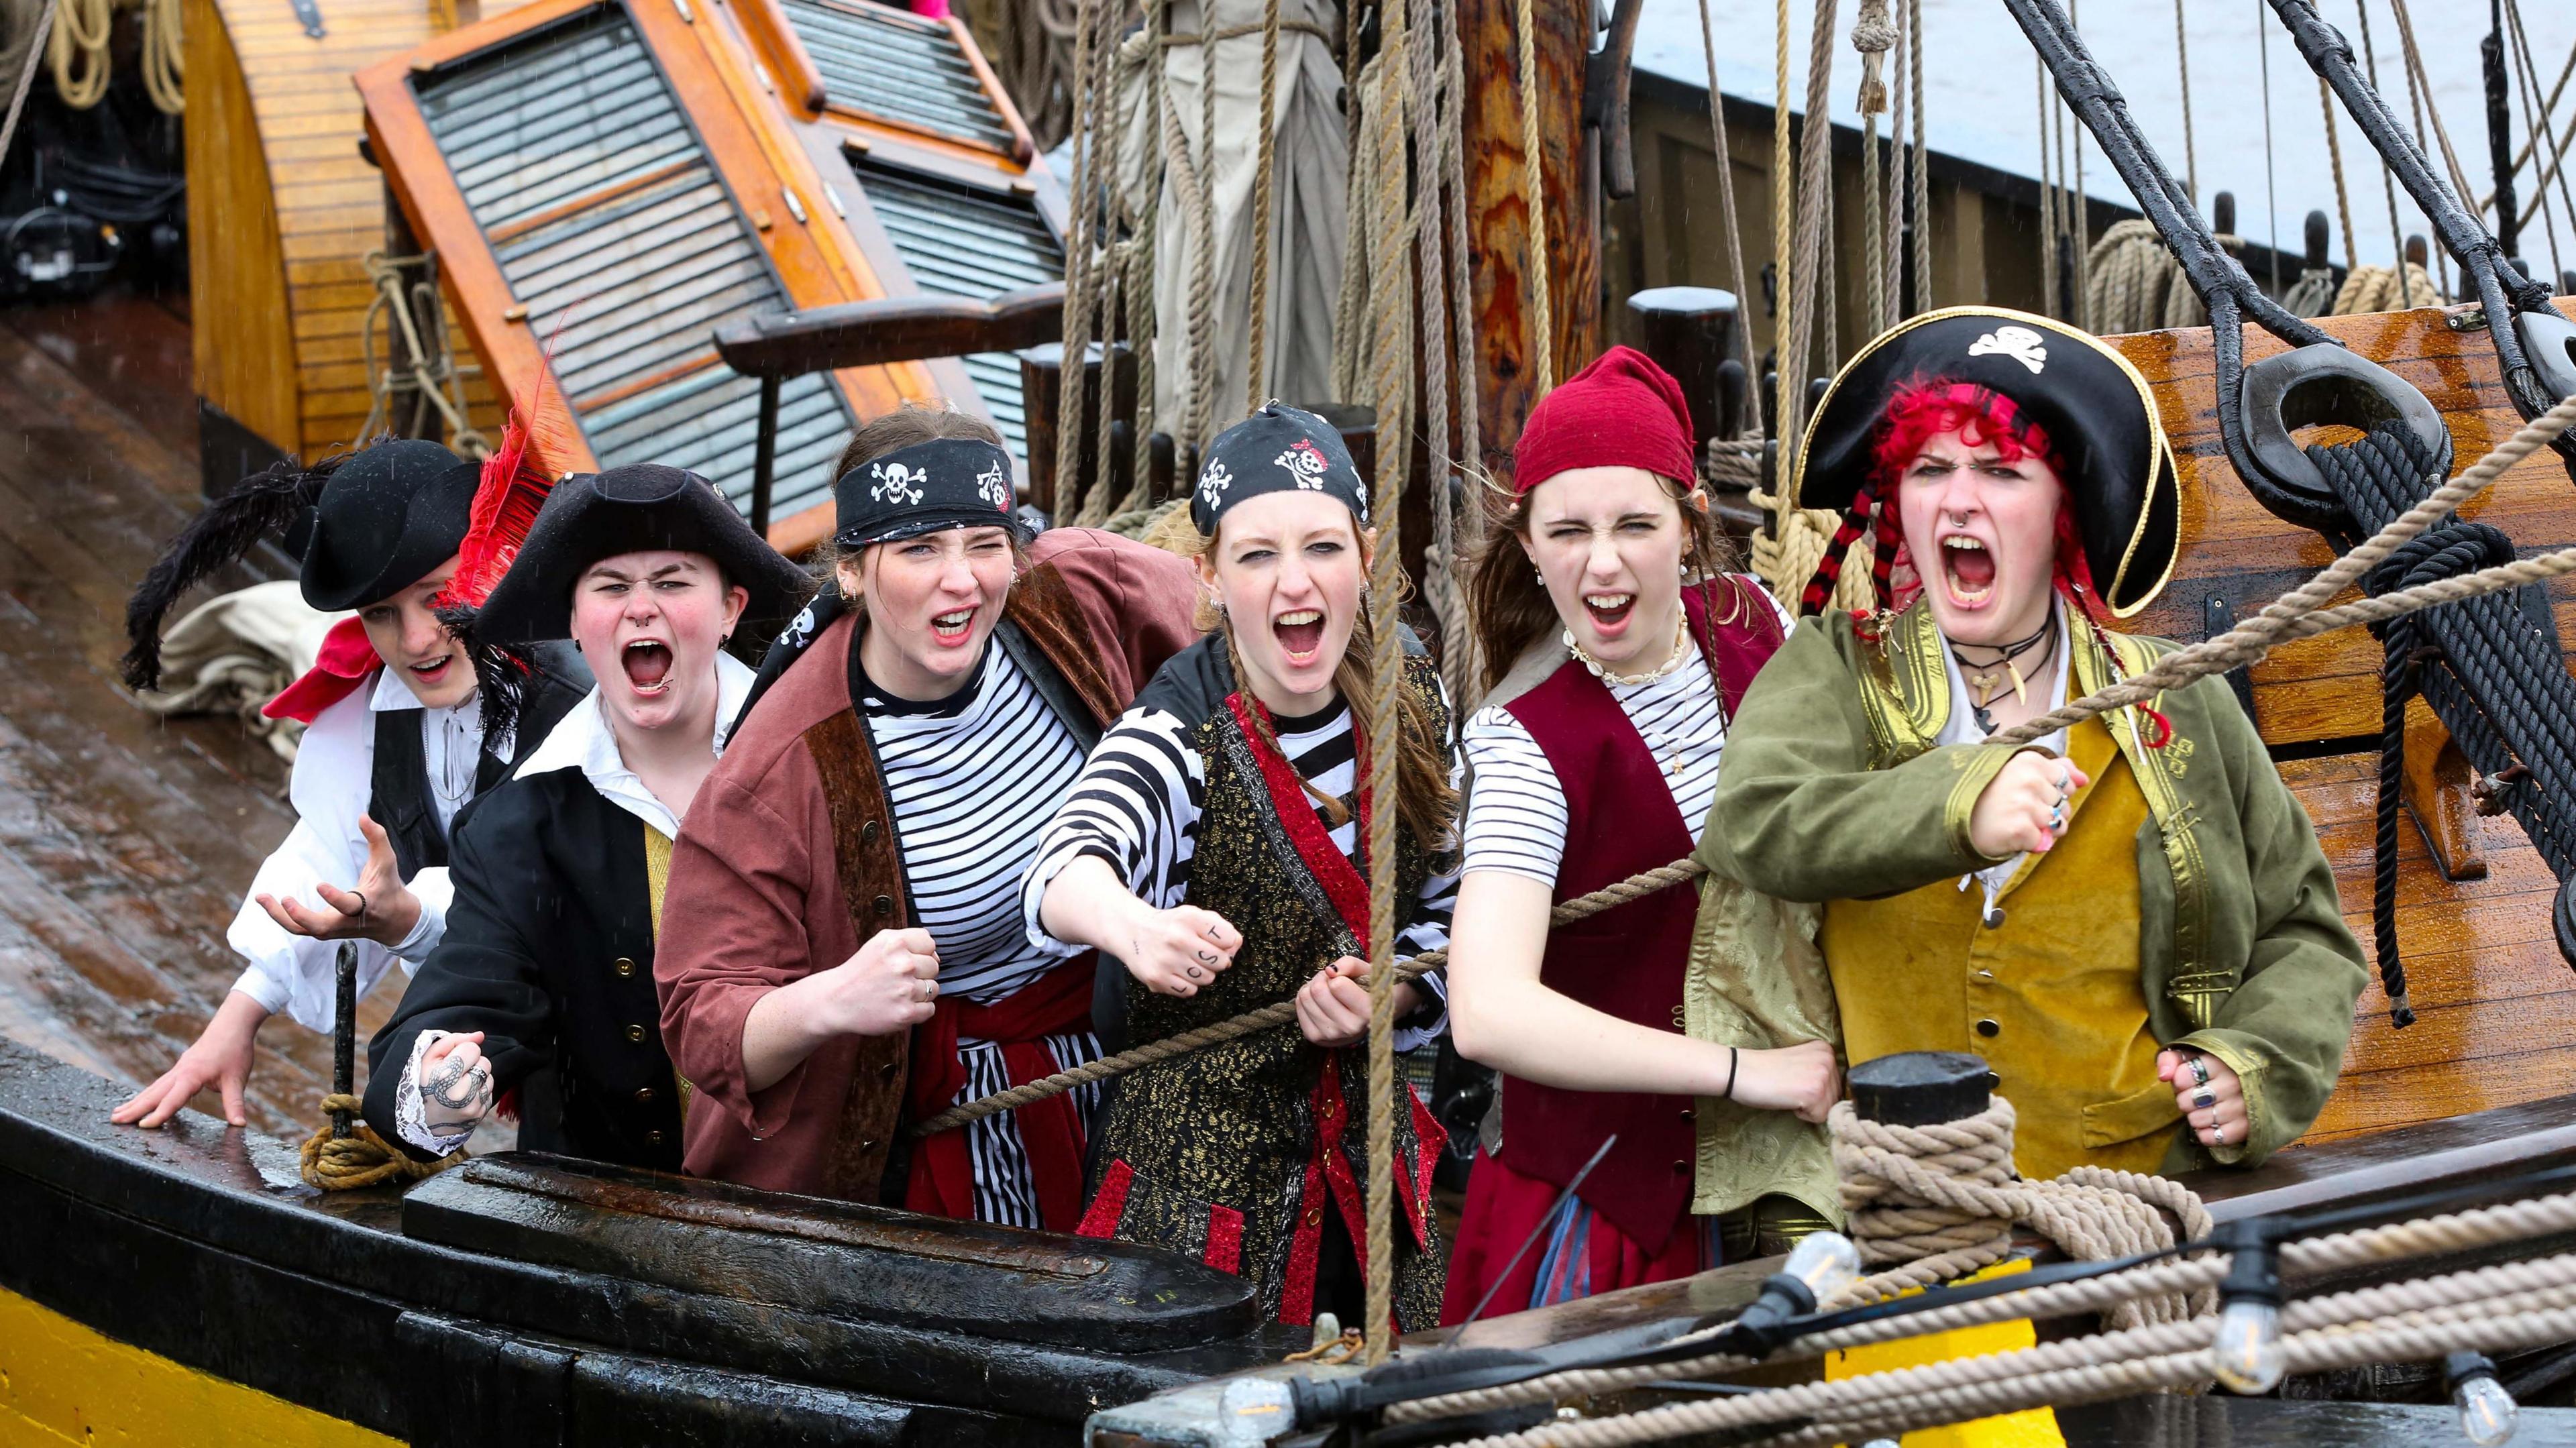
1626	961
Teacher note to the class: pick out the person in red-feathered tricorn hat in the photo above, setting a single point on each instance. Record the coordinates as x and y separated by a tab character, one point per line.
1618	642
396	742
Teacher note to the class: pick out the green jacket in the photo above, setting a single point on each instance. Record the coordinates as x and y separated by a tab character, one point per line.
1832	788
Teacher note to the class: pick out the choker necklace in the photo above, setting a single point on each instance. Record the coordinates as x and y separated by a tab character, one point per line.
1681	651
1986	681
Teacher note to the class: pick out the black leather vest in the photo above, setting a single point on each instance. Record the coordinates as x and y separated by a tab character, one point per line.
398	791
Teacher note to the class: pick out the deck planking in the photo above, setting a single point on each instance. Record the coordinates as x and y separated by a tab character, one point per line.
125	840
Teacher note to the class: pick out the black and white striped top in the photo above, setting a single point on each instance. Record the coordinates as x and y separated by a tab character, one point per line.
1137	806
971	779
1516	820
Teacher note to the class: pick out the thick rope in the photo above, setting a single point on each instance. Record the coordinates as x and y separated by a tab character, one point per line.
1815	183
2410	67
2188	1277
36	44
1453	145
1436	119
432	365
1786	388
2382	289
1402	191
1873	35
165	57
2295	615
362	1158
1542	318
1728	220
1920	185
2049	302
1088	107
1202	303
1786	555
2136	285
1264	184
77	45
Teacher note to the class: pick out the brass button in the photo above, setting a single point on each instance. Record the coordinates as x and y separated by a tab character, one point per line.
1994	1082
868	832
643	1095
1985	975
635	1034
1314	1216
1990	1028
652	1138
884	906
623	967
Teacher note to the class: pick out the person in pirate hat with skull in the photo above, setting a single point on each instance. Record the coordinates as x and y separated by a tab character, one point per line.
395	744
2130	920
542	990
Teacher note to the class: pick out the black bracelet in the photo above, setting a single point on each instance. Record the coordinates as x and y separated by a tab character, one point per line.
1734	1058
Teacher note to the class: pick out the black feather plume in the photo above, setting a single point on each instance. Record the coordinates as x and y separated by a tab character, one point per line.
228	528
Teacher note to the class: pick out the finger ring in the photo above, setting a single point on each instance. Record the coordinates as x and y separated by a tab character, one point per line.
2205	1099
2199	1070
362	905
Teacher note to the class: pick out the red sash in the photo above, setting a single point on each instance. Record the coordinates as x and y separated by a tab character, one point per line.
344	662
1057	1003
1327	1167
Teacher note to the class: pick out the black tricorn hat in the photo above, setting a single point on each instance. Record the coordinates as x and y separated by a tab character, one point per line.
640	508
2095	407
386	519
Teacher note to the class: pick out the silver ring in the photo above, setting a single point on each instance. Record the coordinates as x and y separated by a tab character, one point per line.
2199	1070
2057	816
362	905
2205	1100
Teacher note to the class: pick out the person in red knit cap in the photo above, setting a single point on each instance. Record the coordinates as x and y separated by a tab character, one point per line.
1617	643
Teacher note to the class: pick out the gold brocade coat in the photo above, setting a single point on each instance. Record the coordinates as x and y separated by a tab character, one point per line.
1832	788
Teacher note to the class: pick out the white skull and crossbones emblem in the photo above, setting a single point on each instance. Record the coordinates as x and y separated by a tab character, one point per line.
1305	463
2019	343
1214	482
995	486
897	483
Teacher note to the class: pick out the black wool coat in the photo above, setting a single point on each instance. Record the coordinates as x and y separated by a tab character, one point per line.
549	953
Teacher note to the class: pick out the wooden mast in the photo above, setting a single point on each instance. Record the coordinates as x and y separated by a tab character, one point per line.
1498	230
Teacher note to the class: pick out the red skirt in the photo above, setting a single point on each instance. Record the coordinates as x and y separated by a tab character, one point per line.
1580	1254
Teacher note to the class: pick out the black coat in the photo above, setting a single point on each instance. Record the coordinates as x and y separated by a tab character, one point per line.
549	953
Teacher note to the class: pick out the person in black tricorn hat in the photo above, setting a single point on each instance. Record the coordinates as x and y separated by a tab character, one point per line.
542	990
395	744
2130	920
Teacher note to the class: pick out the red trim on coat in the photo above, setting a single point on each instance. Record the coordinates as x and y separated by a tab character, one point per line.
345	661
1224	1239
1110	1205
1057	1003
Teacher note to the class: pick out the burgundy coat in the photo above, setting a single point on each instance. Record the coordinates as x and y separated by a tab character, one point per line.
766	888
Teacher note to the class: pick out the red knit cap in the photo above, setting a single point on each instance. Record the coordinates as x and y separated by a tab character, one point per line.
1623	411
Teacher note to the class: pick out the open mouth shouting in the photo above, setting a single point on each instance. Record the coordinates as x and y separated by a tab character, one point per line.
648	666
1609	612
954	628
1967	569
1300	632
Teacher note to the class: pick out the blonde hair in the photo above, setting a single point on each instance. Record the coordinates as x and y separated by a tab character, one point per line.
1425	804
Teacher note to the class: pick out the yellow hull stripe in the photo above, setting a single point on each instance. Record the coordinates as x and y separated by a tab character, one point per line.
63	1384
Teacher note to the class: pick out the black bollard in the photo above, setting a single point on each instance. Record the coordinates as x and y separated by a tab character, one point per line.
2319	234
1921	1088
1690	332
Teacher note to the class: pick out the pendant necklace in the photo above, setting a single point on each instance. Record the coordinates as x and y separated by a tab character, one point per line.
1986	682
1681	651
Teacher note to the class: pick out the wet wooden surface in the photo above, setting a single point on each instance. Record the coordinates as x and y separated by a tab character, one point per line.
125	840
2495	1006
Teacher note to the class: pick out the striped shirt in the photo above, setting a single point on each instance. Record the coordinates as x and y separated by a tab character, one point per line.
971	779
1516	819
1138	803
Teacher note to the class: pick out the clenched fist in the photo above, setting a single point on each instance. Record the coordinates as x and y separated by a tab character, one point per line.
2024	807
1174	952
1802	1079
889	984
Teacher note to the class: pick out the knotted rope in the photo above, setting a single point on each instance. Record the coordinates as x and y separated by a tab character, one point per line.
1786	556
361	1158
2382	289
1934	1203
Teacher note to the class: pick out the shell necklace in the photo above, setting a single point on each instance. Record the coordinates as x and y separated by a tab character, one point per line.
1681	651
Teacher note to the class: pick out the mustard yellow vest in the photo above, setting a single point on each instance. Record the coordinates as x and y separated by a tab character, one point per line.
2050	995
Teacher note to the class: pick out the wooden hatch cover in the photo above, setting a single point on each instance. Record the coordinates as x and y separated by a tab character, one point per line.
637	173
2495	1006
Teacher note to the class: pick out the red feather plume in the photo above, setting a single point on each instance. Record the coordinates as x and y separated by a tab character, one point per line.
516	479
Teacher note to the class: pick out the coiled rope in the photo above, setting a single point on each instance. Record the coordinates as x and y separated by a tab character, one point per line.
2295	615
361	1158
77	46
2367	1247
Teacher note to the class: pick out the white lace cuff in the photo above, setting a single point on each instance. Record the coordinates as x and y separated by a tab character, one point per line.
411	1110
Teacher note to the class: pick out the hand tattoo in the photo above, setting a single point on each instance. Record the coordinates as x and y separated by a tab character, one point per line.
459	1087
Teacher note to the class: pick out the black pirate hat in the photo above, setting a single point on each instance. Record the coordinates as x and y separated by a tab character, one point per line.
2095	407
364	526
640	508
